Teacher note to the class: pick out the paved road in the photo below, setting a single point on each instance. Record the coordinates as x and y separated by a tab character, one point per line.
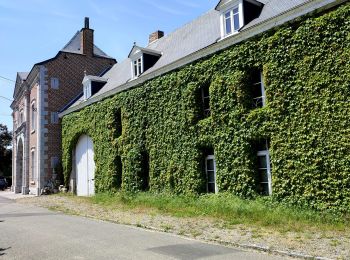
29	232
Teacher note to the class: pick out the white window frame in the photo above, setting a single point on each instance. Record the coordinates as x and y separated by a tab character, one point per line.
235	5
87	91
33	116
33	165
211	157
138	59
268	169
262	88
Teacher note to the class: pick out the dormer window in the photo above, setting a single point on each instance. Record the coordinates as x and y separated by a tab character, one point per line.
142	59
138	70
237	13
232	23
91	85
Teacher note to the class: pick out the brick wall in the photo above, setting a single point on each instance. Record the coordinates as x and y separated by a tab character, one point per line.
69	69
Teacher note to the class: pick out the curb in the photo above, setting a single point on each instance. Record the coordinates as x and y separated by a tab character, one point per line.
255	247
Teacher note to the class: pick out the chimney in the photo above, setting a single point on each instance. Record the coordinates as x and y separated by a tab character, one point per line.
87	39
155	36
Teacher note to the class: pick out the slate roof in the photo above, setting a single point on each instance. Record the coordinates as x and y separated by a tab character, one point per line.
274	8
190	38
23	75
73	46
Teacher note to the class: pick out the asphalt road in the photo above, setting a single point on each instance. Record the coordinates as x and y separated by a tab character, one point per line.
29	232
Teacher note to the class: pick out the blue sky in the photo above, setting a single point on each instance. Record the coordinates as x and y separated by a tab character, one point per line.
35	30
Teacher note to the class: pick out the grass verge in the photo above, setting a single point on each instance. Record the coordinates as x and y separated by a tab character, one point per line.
261	212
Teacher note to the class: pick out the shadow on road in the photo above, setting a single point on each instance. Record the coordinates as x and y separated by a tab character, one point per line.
18	215
2	251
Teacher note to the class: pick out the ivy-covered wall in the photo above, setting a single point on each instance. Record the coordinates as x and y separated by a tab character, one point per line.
306	67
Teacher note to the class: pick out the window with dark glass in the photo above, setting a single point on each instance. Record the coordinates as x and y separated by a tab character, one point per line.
264	168
205	100
210	170
144	171
118	122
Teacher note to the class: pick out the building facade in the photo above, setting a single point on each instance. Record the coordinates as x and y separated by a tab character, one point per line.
39	95
250	98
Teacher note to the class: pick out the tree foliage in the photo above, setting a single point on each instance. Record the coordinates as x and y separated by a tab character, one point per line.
5	151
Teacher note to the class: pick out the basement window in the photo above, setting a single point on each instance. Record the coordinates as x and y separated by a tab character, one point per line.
264	168
210	171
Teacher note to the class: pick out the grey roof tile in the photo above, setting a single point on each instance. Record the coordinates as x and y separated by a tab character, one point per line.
23	75
194	36
273	8
73	46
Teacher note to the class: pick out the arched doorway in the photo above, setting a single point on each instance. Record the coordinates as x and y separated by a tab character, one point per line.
85	166
19	166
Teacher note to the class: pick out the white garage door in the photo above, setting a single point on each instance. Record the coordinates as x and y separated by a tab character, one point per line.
85	166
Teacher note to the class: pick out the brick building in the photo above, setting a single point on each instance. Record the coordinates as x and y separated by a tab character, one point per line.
38	97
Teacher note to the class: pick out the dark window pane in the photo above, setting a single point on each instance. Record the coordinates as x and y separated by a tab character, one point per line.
210	164
228	26
236	22
258	102
206	104
211	187
264	189
262	145
263	176
205	91
211	176
262	162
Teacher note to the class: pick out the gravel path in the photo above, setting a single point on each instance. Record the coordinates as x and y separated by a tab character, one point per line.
327	244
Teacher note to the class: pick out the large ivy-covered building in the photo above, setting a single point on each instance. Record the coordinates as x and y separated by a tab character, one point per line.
250	98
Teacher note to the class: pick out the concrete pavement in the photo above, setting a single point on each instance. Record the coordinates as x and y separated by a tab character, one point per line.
29	232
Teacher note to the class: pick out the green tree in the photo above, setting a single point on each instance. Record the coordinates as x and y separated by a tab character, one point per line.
5	151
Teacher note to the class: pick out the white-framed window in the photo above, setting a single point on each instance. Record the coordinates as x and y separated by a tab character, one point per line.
259	98
87	91
33	165
232	21
231	17
137	67
55	83
33	115
264	169
210	170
